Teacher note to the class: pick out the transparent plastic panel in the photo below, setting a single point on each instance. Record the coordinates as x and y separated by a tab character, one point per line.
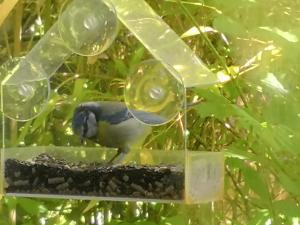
113	136
50	157
81	173
88	27
152	88
25	86
148	173
208	168
47	55
24	90
163	43
204	162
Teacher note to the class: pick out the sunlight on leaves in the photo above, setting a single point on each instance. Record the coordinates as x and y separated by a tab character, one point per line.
296	220
284	34
255	61
273	82
194	31
254	118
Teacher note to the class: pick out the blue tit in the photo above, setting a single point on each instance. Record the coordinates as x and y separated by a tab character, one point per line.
112	125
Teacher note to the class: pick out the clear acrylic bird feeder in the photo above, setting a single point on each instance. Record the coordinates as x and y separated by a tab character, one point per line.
167	169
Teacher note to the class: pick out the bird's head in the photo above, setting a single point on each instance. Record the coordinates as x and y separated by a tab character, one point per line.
84	123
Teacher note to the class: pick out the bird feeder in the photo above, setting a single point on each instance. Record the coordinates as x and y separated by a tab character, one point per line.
176	173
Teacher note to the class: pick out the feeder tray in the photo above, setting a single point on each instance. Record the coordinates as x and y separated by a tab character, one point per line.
157	86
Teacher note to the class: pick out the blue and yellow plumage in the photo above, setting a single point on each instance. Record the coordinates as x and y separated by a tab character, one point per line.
112	125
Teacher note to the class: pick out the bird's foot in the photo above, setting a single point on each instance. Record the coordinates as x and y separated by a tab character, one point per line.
118	157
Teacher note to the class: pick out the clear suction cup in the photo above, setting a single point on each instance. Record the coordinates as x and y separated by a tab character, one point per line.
153	95
88	27
24	90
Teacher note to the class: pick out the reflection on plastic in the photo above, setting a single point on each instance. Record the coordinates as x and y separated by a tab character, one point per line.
48	54
22	100
88	27
208	169
163	43
153	89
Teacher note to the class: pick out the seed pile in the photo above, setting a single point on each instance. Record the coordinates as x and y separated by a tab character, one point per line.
48	175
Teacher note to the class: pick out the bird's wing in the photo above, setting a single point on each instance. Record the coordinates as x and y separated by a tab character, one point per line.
117	112
110	107
148	118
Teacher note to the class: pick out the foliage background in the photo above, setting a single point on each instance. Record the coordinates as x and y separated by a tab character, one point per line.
254	118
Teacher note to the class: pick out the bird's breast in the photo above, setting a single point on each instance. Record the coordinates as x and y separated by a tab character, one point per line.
125	134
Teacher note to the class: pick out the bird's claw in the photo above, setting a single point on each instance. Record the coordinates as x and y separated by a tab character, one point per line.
110	162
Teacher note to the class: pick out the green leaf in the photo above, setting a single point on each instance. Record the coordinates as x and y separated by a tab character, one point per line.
4	221
91	204
289	184
11	202
238	150
24	132
280	138
277	137
235	163
32	207
117	222
220	111
227	25
219	107
78	90
254	180
175	220
45	139
136	59
287	207
286	40
144	222
121	67
284	34
49	108
260	217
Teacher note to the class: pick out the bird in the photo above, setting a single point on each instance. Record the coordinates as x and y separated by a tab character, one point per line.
111	124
